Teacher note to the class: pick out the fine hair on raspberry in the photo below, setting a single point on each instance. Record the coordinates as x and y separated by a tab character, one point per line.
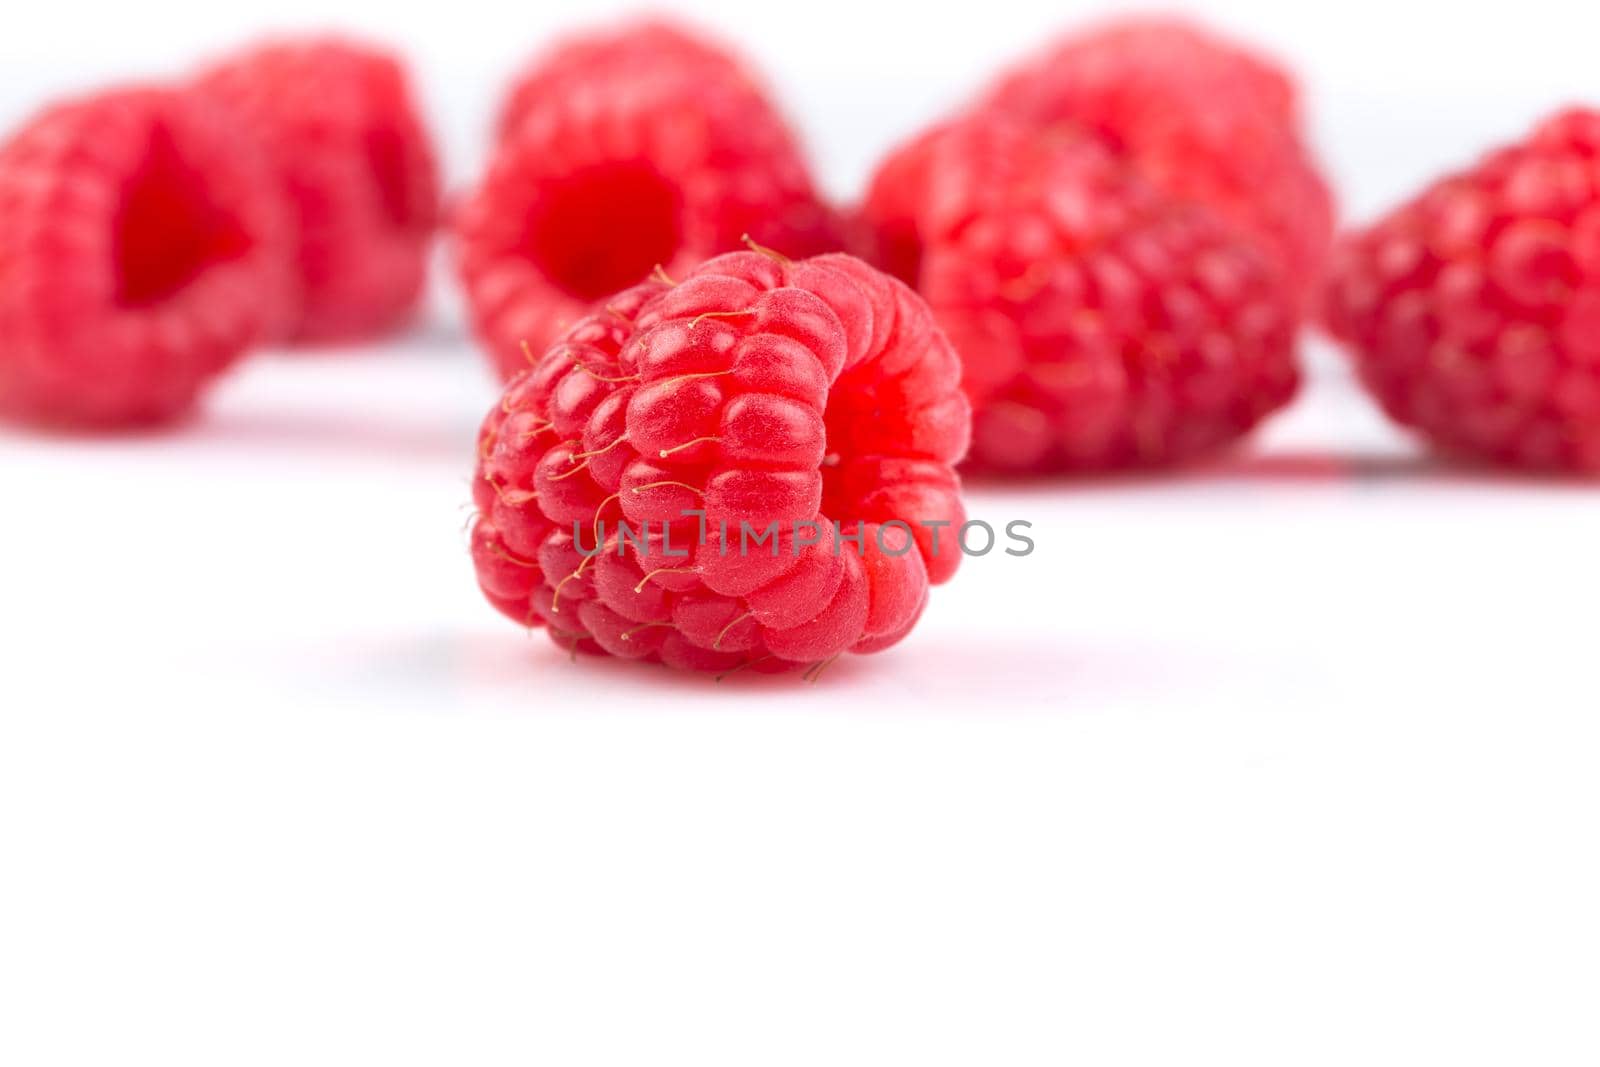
750	391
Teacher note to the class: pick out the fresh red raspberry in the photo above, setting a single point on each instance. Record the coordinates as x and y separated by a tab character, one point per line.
339	121
1100	322
635	47
1473	311
629	151
755	390
1201	117
139	256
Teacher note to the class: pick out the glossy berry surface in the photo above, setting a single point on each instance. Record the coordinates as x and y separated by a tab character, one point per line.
756	391
339	121
1201	117
140	255
621	152
1473	310
1101	323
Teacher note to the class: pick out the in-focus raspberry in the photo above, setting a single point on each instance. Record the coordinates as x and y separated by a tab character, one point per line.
140	255
760	393
621	152
340	123
1473	310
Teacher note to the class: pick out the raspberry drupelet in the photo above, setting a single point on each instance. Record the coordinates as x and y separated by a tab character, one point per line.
140	255
1101	323
620	152
753	391
1473	310
340	124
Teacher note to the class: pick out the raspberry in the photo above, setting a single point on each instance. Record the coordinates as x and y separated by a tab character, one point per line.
631	47
1200	117
340	124
139	257
1101	323
629	151
1473	311
758	391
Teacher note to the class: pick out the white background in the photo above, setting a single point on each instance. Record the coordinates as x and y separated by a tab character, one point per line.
1289	761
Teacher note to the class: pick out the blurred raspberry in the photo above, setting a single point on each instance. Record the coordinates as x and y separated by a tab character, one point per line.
635	48
139	256
622	152
1101	323
339	122
897	198
1200	117
1473	311
755	390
